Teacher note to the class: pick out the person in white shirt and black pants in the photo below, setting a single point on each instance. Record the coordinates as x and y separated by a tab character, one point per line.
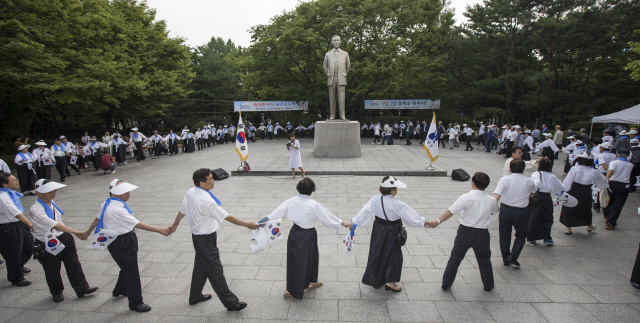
475	210
618	175
302	246
514	191
205	214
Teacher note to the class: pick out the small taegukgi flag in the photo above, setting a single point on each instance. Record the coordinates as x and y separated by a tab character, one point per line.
594	194
73	160
241	141
52	245
347	242
102	240
274	230
431	142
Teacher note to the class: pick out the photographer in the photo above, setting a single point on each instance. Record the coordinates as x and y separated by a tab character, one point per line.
293	146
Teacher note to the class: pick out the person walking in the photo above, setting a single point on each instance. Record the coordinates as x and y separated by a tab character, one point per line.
618	174
295	160
541	208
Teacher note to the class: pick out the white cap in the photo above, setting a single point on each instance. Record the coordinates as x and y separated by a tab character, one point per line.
41	143
464	124
585	155
122	188
62	137
623	133
546	134
23	147
634	141
633	132
504	127
113	183
571	137
48	187
605	145
579	142
134	129
392	182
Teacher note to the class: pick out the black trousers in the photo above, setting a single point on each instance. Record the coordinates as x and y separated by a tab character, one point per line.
124	251
635	273
44	171
469	146
207	265
140	153
52	265
518	218
441	140
74	167
479	240
482	138
633	180
61	166
617	199
199	143
509	146
487	145
16	247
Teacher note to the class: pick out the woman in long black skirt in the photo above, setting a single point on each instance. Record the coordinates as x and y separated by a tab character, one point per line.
384	266
302	244
549	148
172	142
541	213
578	184
26	170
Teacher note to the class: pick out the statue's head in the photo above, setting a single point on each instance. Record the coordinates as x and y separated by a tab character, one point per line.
335	41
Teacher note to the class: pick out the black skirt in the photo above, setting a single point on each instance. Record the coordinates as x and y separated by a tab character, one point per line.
540	218
385	257
302	260
173	146
548	152
526	153
580	215
190	147
27	178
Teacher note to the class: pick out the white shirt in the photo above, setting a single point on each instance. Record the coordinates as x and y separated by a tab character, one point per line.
482	130
376	130
506	169
156	138
43	223
394	208
586	176
468	131
513	135
60	152
547	182
529	142
514	190
202	211
139	138
18	160
570	147
305	212
8	210
68	145
198	134
549	143
40	154
605	158
117	219
621	171
4	167
475	209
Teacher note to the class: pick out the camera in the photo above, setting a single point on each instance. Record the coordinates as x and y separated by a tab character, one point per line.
288	144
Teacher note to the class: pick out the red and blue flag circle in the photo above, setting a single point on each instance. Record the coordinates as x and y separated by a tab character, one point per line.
52	243
275	231
241	137
102	239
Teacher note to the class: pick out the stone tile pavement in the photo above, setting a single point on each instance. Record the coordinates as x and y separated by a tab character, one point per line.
584	277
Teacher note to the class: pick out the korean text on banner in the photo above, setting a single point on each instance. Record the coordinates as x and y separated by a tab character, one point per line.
431	142
402	104
270	105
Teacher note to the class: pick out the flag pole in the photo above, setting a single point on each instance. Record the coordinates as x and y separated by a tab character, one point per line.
430	166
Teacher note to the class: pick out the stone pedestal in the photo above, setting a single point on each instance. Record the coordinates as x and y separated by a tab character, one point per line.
337	139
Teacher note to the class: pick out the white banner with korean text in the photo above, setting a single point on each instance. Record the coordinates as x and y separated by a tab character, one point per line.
402	104
243	106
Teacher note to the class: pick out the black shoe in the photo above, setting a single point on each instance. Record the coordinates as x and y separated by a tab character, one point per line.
202	298
79	172
238	307
21	283
116	294
596	209
444	287
142	308
58	298
488	289
514	262
62	180
507	263
88	291
466	150
25	270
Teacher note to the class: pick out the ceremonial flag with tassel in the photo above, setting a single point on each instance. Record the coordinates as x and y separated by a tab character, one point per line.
431	142
241	141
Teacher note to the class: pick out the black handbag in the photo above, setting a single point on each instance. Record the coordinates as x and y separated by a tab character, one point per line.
536	198
401	235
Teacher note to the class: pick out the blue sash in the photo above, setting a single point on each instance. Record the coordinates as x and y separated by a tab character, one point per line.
48	210
56	147
212	196
14	196
25	157
104	208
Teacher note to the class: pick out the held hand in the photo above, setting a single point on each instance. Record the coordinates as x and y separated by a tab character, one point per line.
79	235
172	229
346	225
85	235
165	232
252	225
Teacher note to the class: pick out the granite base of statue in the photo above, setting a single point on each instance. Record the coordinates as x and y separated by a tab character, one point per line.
337	139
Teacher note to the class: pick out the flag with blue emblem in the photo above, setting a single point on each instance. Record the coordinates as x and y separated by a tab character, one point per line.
347	242
241	141
431	141
274	230
52	245
102	240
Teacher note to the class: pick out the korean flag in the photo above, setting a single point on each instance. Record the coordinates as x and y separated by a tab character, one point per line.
103	240
52	245
73	160
47	161
347	242
274	230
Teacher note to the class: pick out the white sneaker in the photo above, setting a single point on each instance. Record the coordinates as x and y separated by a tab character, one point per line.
113	172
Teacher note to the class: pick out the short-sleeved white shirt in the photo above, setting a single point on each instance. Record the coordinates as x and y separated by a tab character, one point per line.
42	223
475	209
514	190
202	211
621	171
8	210
117	219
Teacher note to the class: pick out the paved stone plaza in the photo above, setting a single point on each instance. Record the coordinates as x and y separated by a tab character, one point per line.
583	278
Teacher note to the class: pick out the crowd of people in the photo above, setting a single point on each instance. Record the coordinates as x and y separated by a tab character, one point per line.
600	176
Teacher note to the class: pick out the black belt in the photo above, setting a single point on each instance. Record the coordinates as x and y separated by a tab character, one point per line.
513	207
10	223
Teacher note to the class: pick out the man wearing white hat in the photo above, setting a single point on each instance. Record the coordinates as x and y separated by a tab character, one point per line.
622	142
549	148
618	174
59	154
157	141
45	159
277	130
198	138
68	149
189	143
16	241
46	218
115	217
137	139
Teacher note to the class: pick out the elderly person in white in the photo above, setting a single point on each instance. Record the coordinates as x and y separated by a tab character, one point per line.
549	148
384	266
46	218
302	244
295	160
205	214
45	159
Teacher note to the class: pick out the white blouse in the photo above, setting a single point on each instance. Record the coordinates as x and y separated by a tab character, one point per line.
394	208
42	223
304	212
585	175
547	182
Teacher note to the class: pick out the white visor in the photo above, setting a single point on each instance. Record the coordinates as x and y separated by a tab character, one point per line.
122	188
113	183
392	182
134	129
46	188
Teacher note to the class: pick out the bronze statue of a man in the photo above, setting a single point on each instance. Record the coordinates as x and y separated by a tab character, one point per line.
336	65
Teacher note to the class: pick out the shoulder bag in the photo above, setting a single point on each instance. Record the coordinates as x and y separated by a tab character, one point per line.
401	235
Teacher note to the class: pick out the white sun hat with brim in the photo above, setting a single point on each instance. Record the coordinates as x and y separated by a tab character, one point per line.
42	187
113	183
122	188
134	129
606	145
40	143
23	147
571	137
393	182
546	134
623	133
585	155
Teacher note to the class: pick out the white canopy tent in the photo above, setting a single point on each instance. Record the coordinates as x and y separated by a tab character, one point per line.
631	115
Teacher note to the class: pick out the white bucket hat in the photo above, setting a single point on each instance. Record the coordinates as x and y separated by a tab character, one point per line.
392	182
134	129
41	187
122	188
23	147
40	143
